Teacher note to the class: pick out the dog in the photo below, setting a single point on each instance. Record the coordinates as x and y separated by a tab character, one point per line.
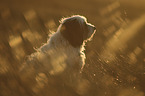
63	55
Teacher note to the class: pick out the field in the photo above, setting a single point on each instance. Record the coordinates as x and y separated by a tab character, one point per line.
115	63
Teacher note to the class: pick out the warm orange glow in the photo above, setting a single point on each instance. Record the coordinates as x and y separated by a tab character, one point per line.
115	56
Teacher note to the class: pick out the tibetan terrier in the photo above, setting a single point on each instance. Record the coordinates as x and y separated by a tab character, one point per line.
62	56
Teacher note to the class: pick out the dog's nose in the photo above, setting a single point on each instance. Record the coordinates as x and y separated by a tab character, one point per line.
94	27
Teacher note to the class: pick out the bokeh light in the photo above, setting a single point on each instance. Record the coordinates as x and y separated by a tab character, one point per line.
115	57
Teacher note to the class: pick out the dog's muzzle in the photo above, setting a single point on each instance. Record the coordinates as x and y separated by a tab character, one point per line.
91	29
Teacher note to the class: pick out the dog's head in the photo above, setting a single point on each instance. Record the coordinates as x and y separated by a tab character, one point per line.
76	30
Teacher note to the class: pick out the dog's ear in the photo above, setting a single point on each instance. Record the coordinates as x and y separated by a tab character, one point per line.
73	32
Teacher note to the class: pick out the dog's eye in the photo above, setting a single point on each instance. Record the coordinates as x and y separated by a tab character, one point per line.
85	24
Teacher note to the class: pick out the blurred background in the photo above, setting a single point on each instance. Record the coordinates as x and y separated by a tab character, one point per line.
115	62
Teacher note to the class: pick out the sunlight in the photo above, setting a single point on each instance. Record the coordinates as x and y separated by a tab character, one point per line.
121	37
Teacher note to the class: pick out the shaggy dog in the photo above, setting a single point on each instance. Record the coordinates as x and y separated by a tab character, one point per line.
63	56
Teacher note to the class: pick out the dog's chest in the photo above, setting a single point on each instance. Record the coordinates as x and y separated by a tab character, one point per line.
63	59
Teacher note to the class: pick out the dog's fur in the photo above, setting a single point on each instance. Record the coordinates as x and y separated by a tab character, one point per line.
63	54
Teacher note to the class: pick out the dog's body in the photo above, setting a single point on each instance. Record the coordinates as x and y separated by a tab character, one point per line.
62	55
